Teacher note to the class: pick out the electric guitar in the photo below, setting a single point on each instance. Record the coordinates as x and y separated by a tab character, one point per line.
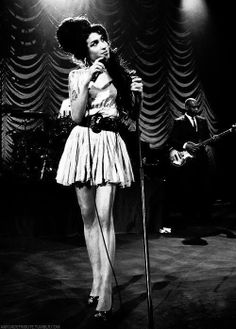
179	158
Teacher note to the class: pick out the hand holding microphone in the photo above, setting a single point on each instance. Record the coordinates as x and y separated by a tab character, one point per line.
97	68
136	83
136	87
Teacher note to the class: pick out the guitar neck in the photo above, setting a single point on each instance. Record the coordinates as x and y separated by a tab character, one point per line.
207	141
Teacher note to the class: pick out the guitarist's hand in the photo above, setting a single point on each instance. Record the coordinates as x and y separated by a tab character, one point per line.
191	147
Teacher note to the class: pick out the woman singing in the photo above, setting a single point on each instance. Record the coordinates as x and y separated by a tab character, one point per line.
95	158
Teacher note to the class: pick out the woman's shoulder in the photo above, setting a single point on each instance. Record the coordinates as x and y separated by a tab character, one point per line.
79	69
77	72
76	76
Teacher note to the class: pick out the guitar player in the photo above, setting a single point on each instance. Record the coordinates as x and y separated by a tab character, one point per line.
189	179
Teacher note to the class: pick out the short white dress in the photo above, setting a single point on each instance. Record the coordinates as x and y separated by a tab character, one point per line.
95	158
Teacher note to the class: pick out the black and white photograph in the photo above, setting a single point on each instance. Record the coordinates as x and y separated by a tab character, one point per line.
117	165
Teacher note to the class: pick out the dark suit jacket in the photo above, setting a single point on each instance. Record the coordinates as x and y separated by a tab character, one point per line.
183	132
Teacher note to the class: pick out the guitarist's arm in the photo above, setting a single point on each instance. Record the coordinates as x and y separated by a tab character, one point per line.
191	147
177	139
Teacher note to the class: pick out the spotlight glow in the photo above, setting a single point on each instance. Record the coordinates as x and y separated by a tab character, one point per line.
195	13
67	7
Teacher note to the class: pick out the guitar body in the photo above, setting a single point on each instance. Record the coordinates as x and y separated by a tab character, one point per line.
179	158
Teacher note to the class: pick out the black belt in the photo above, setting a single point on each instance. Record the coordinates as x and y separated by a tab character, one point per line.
97	123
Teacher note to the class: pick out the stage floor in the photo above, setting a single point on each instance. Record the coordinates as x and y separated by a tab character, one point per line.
45	281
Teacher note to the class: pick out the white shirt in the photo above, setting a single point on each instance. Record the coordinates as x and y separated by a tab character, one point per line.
193	121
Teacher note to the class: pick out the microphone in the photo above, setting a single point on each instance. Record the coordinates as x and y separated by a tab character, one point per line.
138	97
96	74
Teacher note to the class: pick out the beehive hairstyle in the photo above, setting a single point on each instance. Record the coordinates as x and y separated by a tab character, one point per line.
72	35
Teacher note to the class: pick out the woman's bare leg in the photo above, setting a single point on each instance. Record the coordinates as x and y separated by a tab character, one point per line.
105	196
86	200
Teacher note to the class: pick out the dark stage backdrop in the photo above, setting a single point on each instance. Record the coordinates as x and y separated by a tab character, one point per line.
174	61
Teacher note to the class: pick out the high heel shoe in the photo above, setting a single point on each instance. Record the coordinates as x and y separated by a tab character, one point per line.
92	301
103	316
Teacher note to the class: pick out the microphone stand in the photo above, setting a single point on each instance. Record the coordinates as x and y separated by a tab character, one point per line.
139	102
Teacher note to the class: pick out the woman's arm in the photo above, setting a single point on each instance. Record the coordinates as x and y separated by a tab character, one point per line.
78	93
79	86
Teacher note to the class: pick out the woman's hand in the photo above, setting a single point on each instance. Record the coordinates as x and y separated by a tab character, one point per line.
96	68
136	84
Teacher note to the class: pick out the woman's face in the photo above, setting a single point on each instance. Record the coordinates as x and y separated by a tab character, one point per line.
97	47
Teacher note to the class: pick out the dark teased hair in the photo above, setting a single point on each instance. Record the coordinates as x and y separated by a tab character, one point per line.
121	77
72	35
